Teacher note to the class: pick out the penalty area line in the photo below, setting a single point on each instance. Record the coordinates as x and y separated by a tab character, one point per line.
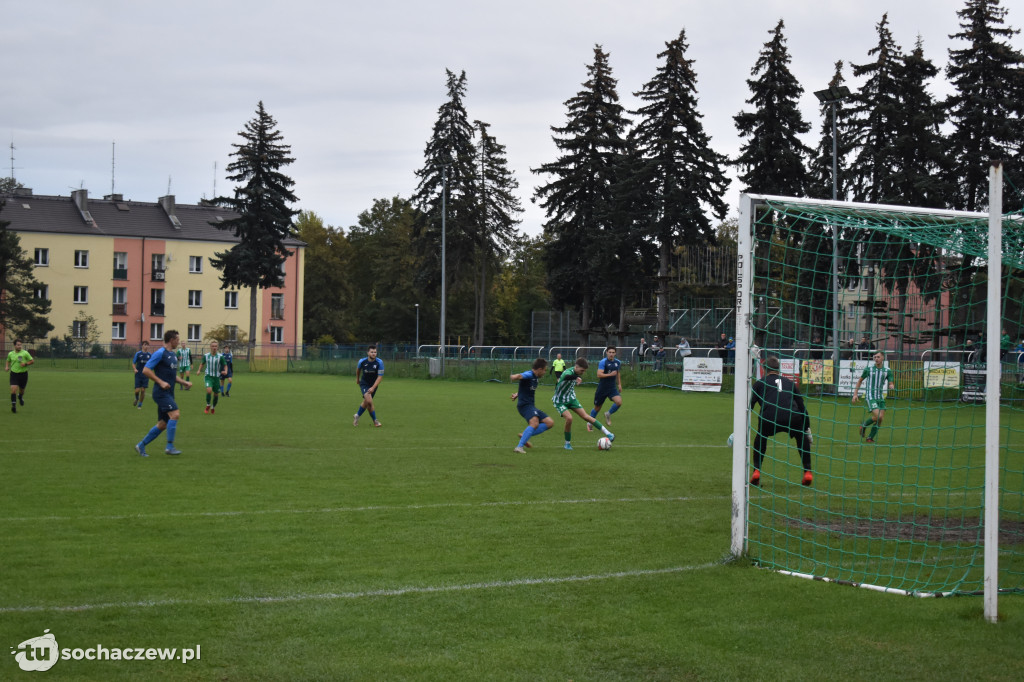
364	594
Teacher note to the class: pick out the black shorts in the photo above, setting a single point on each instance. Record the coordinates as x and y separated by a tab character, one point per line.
19	379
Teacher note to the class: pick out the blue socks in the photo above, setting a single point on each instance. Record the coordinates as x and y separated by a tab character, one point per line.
151	436
373	415
361	410
613	409
172	426
527	433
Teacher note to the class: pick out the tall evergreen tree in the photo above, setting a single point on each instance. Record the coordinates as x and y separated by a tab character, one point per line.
499	208
681	175
875	117
22	313
772	160
820	168
264	218
987	107
921	164
580	199
449	177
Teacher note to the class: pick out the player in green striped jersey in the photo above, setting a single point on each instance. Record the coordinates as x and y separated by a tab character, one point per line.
566	403
876	379
212	368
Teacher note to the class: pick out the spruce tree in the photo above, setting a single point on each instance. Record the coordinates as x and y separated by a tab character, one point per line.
22	313
875	117
987	107
820	168
681	176
264	217
448	181
580	199
499	209
921	163
772	160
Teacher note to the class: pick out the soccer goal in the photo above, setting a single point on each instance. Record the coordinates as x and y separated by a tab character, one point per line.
925	496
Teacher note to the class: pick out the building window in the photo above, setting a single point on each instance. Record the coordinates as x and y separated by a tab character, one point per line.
120	301
851	310
231	299
277	335
42	257
277	306
42	291
81	258
117	331
156	331
156	302
79	329
195	263
120	265
81	294
158	267
232	331
195	298
195	332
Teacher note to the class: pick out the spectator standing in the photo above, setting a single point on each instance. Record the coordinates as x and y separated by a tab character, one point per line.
658	351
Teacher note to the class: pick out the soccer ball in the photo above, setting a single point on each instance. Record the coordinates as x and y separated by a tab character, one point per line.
729	442
604	444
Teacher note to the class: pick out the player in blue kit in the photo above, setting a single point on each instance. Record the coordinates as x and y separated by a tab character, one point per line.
536	421
162	368
229	365
369	374
609	385
139	361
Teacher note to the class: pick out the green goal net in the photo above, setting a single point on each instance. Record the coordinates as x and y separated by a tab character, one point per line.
896	497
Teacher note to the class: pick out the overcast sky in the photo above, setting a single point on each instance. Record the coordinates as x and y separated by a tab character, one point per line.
162	89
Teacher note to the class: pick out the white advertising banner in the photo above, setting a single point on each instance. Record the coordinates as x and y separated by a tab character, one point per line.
850	372
702	374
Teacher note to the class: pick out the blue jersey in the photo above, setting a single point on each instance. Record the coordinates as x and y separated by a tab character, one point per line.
607	365
229	360
371	369
140	359
527	389
164	364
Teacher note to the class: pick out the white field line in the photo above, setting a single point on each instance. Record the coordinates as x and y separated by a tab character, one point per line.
367	508
385	592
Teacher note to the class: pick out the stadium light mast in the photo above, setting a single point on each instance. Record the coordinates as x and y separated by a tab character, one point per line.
444	213
833	96
417	328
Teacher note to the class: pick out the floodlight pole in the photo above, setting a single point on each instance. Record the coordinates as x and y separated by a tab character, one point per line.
444	212
833	96
417	328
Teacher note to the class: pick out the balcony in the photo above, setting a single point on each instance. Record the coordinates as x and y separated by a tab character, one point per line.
120	273
120	309
156	309
158	275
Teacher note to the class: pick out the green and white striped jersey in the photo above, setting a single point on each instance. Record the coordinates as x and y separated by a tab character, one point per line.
565	389
214	364
875	381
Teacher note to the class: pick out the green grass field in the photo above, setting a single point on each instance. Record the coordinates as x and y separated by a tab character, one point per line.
289	545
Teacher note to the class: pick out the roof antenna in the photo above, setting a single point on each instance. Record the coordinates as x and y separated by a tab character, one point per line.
168	185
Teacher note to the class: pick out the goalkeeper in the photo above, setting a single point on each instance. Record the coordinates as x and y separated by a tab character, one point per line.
782	411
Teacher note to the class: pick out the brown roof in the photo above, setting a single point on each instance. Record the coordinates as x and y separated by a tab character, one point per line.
115	217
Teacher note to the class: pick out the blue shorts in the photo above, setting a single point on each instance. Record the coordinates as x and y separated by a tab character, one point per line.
230	374
141	380
164	406
528	412
365	388
603	394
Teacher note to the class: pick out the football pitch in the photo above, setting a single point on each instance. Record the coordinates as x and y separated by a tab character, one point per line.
286	544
